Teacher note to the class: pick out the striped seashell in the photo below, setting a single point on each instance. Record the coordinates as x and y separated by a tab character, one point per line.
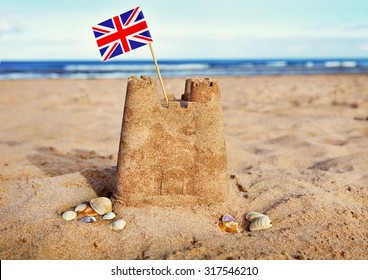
251	216
80	207
69	215
263	222
101	205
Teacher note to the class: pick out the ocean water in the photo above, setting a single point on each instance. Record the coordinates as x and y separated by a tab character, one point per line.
13	70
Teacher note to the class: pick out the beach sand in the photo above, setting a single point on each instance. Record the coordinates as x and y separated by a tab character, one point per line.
297	150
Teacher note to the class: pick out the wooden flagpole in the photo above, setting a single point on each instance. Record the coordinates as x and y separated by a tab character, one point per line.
159	75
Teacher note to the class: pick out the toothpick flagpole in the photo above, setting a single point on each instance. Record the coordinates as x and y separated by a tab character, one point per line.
159	75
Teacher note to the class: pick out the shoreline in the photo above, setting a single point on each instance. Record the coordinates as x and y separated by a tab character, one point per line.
178	68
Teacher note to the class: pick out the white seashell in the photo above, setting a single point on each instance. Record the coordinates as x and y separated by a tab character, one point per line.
80	207
69	215
101	205
109	216
118	224
88	219
263	222
251	216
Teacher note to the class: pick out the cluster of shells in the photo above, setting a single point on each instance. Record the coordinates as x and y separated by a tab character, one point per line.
99	206
257	221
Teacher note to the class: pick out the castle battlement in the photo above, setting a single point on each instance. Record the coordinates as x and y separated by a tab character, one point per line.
172	154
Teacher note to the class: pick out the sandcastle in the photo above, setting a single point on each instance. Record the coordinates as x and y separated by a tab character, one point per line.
172	155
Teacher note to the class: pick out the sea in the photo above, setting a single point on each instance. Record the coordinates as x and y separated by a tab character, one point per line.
83	69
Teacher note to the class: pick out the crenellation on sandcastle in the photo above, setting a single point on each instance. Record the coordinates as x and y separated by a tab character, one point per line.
175	154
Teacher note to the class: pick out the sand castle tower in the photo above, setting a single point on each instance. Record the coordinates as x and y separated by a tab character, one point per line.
173	155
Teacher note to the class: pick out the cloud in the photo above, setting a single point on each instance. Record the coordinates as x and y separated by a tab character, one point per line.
364	47
12	24
357	26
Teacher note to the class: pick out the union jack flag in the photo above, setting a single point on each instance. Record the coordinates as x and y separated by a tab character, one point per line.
122	34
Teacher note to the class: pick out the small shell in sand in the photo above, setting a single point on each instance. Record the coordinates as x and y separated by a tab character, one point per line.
109	216
69	215
80	207
118	224
251	216
229	224
88	219
88	211
101	205
263	222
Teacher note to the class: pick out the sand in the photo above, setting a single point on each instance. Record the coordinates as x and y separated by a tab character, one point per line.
297	149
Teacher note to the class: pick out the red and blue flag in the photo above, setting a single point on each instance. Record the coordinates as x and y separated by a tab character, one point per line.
122	34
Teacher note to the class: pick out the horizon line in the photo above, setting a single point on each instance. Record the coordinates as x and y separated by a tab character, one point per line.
183	59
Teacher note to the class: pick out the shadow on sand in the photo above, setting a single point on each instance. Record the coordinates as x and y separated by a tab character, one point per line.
99	171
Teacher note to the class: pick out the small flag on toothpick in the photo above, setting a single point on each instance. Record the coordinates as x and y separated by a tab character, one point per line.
123	33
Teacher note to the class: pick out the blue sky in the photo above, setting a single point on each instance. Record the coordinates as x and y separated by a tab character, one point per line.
185	29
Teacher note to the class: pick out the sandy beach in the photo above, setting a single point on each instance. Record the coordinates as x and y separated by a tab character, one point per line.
297	150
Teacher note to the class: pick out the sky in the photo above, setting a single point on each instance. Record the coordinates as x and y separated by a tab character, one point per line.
189	29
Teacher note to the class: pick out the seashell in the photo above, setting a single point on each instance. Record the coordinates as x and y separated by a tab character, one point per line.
88	219
263	222
109	216
251	216
88	211
80	207
118	224
101	205
227	218
229	224
69	215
